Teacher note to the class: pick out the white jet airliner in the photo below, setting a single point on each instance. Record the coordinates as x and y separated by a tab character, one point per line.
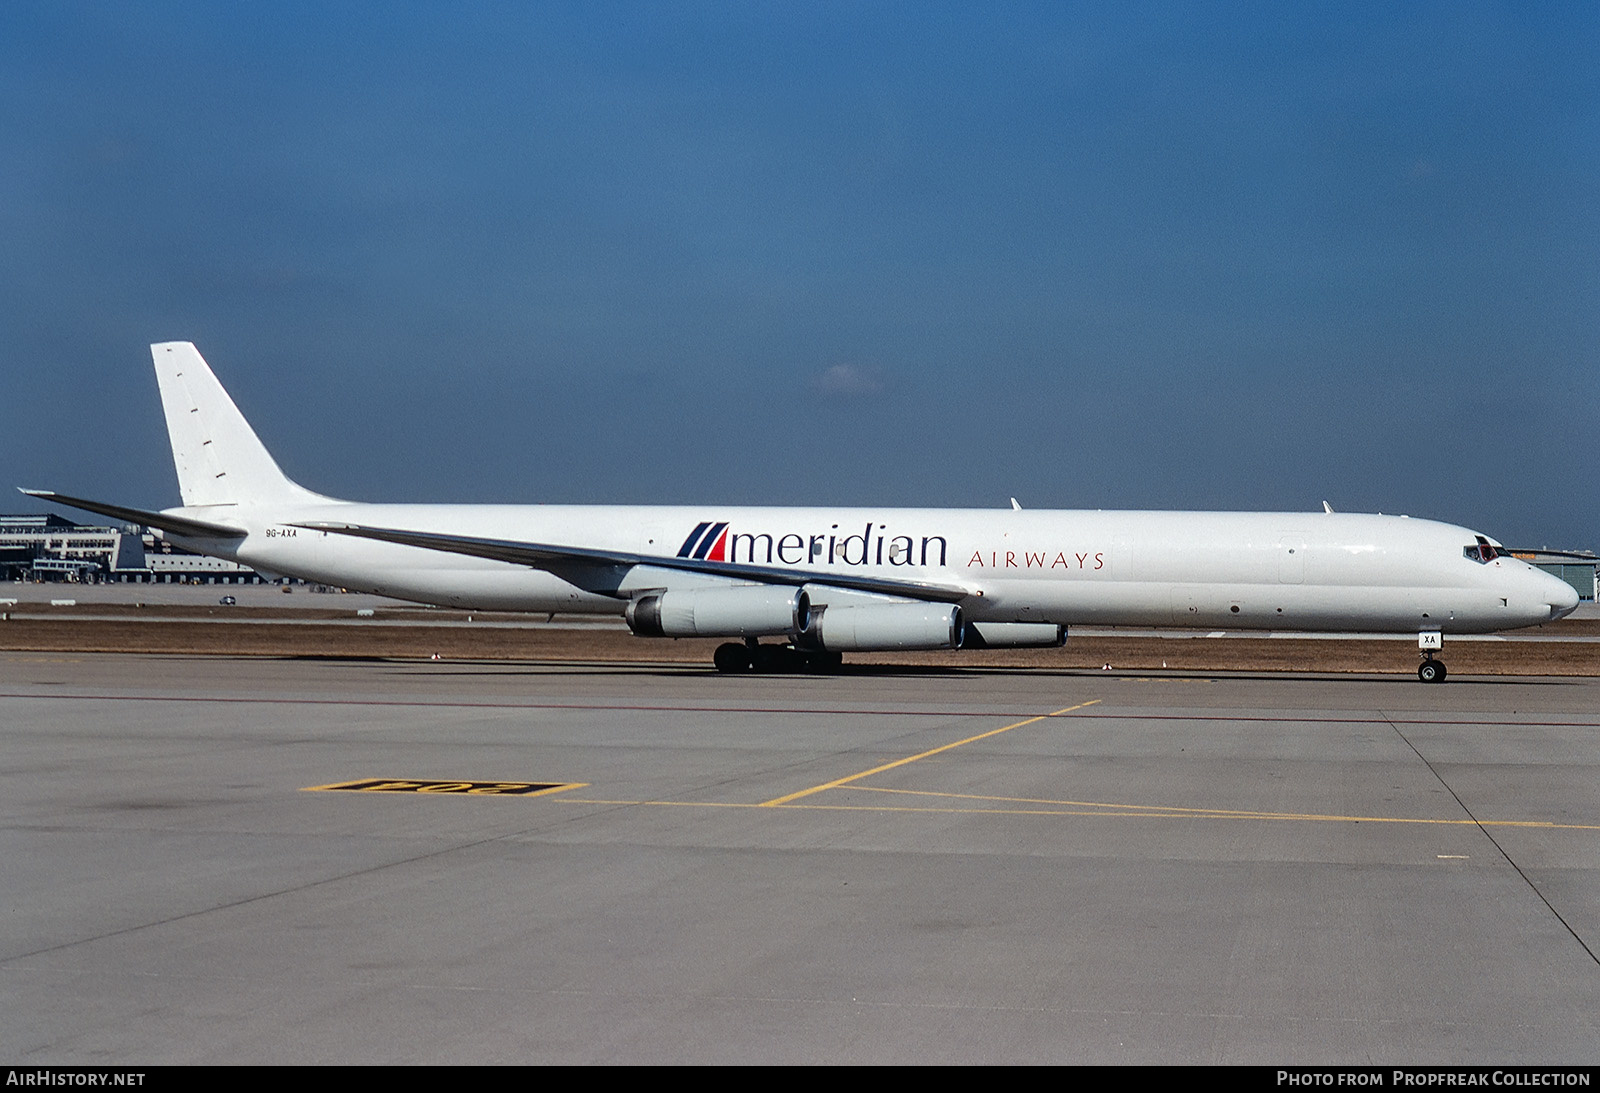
826	581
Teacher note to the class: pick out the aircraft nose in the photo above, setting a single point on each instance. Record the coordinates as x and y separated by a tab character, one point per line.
1562	597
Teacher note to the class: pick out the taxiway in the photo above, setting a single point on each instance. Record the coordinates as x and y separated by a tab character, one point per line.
910	865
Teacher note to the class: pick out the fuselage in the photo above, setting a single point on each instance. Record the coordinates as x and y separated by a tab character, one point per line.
1279	571
829	581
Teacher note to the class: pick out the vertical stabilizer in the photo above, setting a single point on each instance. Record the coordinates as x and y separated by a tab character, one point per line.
220	460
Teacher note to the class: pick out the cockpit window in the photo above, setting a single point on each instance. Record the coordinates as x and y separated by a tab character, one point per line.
1482	551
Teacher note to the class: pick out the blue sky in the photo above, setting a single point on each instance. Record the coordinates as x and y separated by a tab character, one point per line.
1246	256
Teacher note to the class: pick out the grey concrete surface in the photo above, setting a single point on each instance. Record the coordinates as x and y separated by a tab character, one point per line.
1181	869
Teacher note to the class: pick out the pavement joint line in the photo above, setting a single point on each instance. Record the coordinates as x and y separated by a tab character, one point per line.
1178	812
576	707
1442	720
1438	721
1483	827
1135	812
791	797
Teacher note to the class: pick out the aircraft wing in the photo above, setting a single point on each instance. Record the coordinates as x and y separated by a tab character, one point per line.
183	525
545	556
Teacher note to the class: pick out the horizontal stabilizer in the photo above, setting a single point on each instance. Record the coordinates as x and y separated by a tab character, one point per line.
182	525
543	556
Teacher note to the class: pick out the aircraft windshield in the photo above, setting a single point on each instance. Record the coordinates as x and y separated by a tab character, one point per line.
1483	551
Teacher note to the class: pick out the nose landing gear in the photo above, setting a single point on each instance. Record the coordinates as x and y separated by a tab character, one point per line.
1430	670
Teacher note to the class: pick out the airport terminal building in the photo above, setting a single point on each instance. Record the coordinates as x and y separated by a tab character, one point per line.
1580	569
45	547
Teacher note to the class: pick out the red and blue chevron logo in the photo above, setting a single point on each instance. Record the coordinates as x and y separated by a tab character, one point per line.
707	542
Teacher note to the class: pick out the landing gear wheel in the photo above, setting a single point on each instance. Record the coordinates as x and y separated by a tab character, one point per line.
1431	671
772	658
731	657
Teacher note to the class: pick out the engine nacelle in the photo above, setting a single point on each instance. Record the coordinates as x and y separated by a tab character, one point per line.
882	627
747	611
1012	635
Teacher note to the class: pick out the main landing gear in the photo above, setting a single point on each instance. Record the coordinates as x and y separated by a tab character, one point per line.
751	656
1430	670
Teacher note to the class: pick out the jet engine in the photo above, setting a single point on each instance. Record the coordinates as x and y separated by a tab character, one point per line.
745	611
1012	635
882	627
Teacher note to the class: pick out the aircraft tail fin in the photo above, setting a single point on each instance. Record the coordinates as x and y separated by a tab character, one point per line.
219	458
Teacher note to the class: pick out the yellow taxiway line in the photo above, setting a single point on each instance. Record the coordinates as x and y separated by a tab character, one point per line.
837	782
